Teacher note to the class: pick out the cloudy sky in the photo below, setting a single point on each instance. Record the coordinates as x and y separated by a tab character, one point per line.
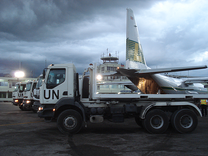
34	33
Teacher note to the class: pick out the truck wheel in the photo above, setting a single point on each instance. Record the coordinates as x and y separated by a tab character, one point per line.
21	107
184	121
69	121
156	121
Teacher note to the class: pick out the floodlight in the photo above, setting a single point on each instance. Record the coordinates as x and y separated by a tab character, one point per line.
99	77
19	74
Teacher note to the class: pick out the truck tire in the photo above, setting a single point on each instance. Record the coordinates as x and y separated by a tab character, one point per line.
21	107
156	121
184	121
69	121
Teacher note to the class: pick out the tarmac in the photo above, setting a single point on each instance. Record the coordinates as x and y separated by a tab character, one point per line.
23	133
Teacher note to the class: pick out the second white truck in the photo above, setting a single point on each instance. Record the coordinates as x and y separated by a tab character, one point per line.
36	94
28	95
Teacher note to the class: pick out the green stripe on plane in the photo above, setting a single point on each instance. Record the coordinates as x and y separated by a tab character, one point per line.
171	88
134	51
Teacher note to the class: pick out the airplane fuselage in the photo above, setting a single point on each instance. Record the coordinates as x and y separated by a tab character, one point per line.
171	85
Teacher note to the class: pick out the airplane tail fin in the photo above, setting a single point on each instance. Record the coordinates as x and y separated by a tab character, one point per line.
134	54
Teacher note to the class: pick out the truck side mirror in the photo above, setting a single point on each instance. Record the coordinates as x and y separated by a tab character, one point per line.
43	73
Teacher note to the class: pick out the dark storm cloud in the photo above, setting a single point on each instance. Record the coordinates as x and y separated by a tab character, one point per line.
36	20
36	32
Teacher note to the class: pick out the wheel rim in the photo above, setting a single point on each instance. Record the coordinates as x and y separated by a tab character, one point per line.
70	122
156	122
186	121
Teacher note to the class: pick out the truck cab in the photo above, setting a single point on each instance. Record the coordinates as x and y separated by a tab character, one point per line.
28	95
58	87
17	94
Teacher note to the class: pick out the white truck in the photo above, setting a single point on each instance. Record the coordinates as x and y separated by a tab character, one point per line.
28	95
72	102
36	94
17	94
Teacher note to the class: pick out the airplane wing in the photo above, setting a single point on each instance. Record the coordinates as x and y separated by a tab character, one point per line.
196	80
167	70
146	72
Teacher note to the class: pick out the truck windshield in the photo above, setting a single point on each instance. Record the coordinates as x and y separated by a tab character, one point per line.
55	77
22	87
39	84
28	86
16	87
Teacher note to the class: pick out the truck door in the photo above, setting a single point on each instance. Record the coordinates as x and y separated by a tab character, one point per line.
32	89
55	86
15	92
21	90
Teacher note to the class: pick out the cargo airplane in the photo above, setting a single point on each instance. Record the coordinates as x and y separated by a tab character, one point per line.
150	81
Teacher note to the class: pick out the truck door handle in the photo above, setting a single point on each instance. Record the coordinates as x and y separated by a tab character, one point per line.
65	93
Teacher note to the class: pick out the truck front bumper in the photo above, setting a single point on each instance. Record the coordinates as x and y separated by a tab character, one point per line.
17	102
36	105
27	104
46	112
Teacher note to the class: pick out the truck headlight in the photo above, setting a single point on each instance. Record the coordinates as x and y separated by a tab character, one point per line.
40	108
16	100
28	101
